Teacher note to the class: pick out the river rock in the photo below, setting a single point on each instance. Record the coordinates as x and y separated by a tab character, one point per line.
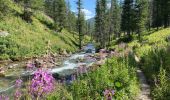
2	74
12	66
57	64
65	52
70	53
55	54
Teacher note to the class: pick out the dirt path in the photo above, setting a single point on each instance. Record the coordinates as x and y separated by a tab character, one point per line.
145	88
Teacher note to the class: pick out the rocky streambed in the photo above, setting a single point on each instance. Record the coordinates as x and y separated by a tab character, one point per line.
67	66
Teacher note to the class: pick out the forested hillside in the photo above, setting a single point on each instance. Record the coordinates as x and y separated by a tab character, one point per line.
32	26
84	49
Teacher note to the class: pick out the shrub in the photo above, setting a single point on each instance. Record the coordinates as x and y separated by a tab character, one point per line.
4	7
161	91
115	75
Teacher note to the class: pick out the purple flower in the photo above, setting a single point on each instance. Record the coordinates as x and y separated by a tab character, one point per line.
81	69
42	83
4	97
17	94
73	77
108	94
30	66
18	83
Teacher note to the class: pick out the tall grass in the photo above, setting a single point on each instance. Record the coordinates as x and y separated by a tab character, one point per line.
31	39
115	75
155	61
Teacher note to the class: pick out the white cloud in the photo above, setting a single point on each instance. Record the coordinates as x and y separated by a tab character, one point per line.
108	5
88	14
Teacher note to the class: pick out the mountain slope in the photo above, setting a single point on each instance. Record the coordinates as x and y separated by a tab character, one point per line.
31	39
91	21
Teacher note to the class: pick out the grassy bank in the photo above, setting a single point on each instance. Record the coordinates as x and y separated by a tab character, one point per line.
154	55
31	39
117	75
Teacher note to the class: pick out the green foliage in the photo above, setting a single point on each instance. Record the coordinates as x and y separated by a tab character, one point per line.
128	17
101	23
30	39
80	22
57	10
5	7
142	15
161	13
60	93
155	60
161	92
116	75
115	19
37	4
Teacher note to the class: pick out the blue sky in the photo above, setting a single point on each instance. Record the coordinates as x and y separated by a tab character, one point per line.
88	7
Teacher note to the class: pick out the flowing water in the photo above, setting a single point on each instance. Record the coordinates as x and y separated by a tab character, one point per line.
66	68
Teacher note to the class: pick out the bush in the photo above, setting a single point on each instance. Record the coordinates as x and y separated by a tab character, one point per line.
116	75
155	62
161	91
4	7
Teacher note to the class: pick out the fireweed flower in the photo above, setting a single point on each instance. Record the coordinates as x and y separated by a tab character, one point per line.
42	83
82	69
30	66
18	94
18	83
4	97
108	94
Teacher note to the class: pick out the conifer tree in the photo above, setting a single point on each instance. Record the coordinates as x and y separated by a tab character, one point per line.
142	15
115	14
103	21
60	14
127	24
97	22
80	22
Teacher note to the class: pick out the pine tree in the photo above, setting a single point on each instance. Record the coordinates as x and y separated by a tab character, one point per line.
80	22
115	14
150	15
60	14
103	21
49	8
127	24
97	22
68	17
37	4
166	12
158	13
73	21
142	15
4	9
